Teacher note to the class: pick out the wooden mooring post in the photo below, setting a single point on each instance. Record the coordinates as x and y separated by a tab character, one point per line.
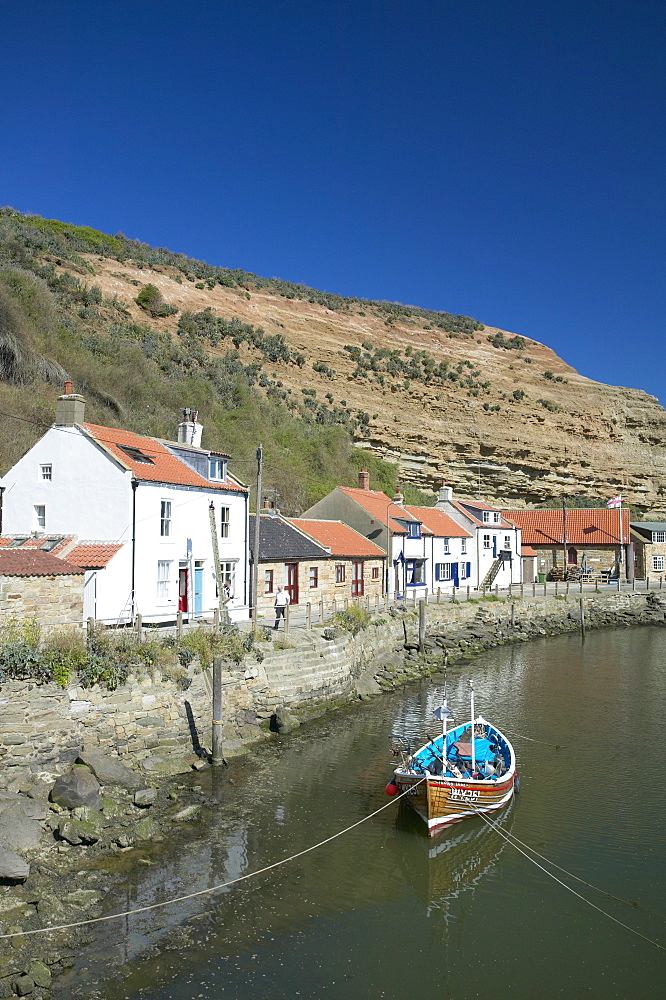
582	616
216	755
422	625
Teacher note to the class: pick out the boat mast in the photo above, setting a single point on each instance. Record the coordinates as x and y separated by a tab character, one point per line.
471	687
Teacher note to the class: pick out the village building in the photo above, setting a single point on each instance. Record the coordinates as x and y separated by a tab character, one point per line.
314	560
39	586
649	538
388	524
496	541
150	499
592	544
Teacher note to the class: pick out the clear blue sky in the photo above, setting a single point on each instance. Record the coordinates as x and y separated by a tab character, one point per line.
501	159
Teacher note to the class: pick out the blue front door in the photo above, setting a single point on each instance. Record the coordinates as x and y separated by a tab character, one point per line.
454	573
494	546
198	590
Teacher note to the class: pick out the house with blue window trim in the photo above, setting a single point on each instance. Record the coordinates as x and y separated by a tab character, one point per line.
496	544
449	547
389	524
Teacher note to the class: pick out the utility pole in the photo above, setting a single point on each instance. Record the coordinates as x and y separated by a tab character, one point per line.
255	554
224	614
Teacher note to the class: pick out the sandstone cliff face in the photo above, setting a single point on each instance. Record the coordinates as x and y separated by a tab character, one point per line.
525	437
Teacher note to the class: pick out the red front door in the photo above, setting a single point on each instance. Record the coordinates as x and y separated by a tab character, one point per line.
357	579
291	586
182	589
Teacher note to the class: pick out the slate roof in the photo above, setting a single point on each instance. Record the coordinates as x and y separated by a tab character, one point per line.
54	544
596	526
159	465
280	541
647	527
438	522
342	540
379	506
92	555
34	562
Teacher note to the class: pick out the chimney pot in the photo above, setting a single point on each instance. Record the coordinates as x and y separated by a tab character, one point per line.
398	498
68	388
364	480
70	408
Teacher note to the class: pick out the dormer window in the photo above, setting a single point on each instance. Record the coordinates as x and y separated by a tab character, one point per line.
413	529
486	517
659	536
217	469
496	517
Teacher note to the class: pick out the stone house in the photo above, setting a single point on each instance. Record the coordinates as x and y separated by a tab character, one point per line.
151	497
597	541
37	584
314	560
649	538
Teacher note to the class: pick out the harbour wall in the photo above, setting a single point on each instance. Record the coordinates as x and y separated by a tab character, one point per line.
157	725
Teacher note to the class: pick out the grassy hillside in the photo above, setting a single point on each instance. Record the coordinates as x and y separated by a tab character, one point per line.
54	325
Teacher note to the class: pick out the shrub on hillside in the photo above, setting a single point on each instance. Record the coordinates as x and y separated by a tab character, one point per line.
151	299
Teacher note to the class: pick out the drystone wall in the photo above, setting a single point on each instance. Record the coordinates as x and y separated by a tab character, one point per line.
155	724
53	601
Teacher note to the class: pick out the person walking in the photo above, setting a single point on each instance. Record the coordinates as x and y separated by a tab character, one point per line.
281	602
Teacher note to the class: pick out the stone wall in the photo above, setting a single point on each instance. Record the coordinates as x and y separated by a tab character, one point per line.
159	725
51	600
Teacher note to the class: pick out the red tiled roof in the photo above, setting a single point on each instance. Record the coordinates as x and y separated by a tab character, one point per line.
527	550
338	537
163	467
439	523
597	526
378	505
92	555
33	542
33	562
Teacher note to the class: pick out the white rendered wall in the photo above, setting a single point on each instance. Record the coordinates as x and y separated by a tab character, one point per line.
88	494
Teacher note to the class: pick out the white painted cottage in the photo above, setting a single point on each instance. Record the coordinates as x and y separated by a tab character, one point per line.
148	496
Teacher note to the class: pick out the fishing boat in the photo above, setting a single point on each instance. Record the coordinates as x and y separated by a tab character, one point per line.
467	770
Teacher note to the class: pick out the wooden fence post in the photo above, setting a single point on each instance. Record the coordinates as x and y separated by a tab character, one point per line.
139	628
308	616
468	592
422	625
522	590
179	624
321	610
216	620
216	756
286	617
439	593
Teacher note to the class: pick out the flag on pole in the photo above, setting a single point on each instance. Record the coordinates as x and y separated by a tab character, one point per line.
615	502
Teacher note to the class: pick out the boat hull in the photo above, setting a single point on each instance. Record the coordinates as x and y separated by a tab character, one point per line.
442	801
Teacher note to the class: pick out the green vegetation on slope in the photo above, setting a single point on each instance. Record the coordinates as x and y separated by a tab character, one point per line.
52	326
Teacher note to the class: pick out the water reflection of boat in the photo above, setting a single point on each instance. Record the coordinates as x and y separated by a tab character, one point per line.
462	856
469	770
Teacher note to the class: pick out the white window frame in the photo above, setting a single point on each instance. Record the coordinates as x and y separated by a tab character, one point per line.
463	570
658	564
163	580
224	521
417	568
507	542
165	518
487	542
228	572
40	516
46	472
217	468
443	571
447	546
659	536
463	546
486	517
497	517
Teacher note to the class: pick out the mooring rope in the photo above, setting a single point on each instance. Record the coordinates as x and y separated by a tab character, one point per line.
214	888
507	838
555	746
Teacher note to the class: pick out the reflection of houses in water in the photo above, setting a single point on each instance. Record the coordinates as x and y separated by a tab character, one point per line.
458	860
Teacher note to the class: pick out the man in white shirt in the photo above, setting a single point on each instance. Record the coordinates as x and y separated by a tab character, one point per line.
281	602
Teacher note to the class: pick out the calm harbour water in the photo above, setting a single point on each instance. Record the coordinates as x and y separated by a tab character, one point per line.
386	912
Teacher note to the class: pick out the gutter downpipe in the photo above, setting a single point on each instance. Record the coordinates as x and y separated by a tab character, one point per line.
2	494
135	485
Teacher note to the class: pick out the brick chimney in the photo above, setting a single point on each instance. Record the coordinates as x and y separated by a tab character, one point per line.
189	430
364	480
70	408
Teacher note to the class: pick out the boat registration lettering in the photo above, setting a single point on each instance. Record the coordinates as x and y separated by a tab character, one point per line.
465	793
409	789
